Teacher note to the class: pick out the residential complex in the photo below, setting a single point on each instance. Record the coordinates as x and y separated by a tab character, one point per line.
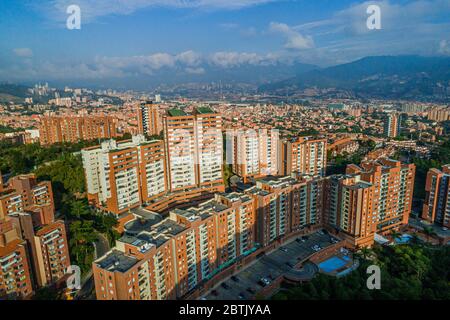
56	129
124	175
436	207
169	259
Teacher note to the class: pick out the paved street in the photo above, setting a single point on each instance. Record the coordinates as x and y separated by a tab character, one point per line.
246	283
87	287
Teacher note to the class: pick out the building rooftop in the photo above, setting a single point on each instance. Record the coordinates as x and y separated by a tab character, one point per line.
277	182
204	110
116	261
176	112
235	196
256	191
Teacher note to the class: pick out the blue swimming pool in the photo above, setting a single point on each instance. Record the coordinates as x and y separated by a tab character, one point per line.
333	263
404	238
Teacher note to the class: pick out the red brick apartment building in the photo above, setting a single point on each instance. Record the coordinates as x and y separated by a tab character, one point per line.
149	119
54	129
124	175
305	155
33	246
436	207
253	154
168	259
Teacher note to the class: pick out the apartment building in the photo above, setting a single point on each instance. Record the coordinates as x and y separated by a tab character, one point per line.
123	175
439	114
47	244
56	129
253	154
30	239
393	184
286	204
436	208
392	125
342	146
23	191
15	274
32	191
305	155
149	119
194	152
349	208
168	259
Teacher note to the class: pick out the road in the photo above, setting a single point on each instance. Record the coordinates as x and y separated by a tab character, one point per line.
87	286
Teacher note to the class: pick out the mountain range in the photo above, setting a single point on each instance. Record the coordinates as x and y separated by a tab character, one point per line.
384	77
389	77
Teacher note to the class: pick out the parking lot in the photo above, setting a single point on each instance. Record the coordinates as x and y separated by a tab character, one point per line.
248	282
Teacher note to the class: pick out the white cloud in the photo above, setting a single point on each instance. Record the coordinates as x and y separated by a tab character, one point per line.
106	67
195	70
444	47
189	58
92	9
234	59
294	40
23	52
344	36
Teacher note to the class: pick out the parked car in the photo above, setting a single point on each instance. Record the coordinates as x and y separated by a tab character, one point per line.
214	293
251	290
225	286
264	282
235	279
241	296
284	249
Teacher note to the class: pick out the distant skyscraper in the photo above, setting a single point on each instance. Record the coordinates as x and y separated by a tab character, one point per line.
436	207
149	121
392	125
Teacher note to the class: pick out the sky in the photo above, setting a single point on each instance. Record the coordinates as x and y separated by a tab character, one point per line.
126	38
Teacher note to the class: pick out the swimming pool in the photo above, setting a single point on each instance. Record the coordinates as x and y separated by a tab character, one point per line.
404	238
333	263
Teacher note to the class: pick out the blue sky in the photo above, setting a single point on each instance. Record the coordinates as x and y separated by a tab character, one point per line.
119	38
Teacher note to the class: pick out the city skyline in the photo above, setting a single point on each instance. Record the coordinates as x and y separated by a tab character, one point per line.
242	151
